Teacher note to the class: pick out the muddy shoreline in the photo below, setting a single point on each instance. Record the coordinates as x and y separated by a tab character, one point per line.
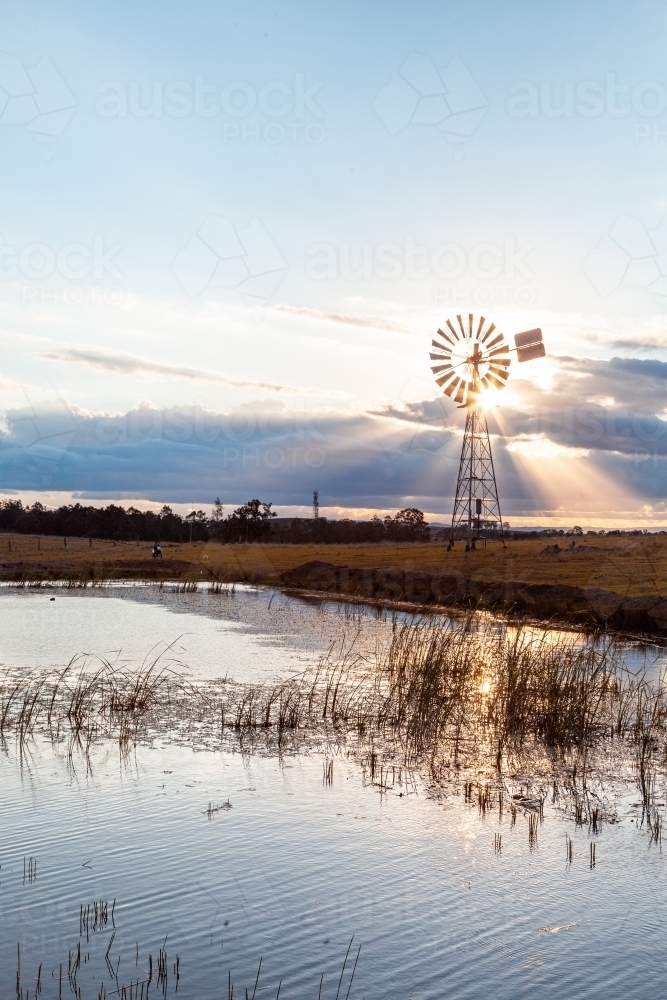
557	604
590	608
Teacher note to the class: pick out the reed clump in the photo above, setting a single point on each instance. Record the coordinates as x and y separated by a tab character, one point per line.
527	702
87	699
455	699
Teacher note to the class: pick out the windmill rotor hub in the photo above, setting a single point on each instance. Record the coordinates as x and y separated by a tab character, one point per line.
471	356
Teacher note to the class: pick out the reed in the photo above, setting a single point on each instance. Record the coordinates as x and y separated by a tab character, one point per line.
456	701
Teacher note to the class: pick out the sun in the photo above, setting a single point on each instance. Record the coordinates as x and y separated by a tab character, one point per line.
488	399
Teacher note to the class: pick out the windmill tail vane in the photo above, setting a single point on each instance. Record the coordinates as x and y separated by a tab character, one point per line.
471	357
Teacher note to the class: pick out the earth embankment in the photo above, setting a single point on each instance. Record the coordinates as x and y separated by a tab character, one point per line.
547	602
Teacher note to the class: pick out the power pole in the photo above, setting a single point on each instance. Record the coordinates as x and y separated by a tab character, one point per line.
316	505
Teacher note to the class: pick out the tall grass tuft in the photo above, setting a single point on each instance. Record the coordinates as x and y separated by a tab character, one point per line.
447	698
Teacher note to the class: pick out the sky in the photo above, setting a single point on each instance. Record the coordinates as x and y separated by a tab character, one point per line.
229	231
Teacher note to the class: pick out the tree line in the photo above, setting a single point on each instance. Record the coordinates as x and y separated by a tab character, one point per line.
251	522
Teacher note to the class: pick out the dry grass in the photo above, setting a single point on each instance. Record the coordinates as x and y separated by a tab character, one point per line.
627	566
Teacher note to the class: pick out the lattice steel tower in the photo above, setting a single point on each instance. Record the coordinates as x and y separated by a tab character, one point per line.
471	360
476	499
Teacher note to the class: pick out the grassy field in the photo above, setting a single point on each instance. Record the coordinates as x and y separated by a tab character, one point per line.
628	566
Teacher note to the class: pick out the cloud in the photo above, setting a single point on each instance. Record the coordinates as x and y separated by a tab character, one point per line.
637	385
128	364
644	343
424	412
188	453
373	323
555	451
642	367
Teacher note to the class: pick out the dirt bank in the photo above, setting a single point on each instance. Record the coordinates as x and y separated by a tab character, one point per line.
548	602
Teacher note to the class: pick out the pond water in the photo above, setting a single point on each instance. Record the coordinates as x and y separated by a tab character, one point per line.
224	859
252	633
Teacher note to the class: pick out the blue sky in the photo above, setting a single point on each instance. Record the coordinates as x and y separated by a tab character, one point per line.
229	231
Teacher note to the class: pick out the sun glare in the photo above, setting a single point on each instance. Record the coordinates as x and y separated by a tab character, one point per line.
539	446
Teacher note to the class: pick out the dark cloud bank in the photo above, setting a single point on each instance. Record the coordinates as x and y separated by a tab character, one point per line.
386	458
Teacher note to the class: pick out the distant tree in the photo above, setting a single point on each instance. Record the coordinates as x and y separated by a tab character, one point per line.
217	519
196	519
170	526
249	522
407	526
113	521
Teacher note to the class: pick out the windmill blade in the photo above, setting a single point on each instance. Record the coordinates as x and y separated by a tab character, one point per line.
443	348
496	340
499	372
481	323
462	326
446	382
455	332
461	394
452	387
488	333
492	381
445	336
495	382
439	369
470	319
447	362
498	377
502	349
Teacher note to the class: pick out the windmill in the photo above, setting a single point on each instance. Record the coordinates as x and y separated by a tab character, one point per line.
471	358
